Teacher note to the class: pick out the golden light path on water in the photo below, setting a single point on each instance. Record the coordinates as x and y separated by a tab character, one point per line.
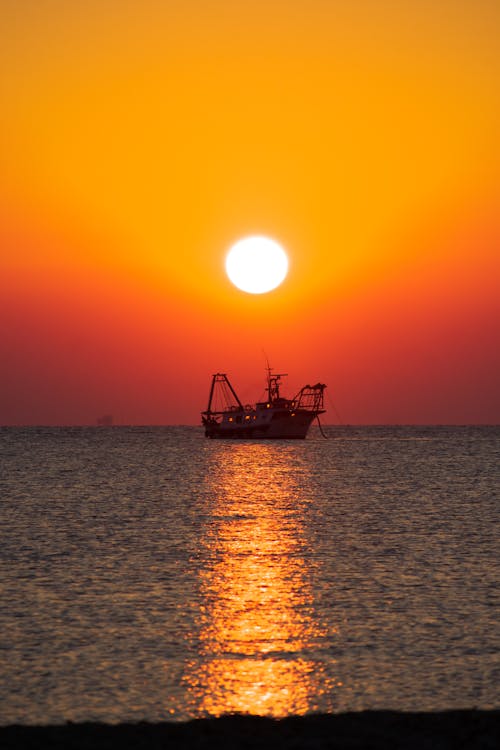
258	627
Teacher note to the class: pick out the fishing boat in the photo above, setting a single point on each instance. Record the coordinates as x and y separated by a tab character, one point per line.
275	418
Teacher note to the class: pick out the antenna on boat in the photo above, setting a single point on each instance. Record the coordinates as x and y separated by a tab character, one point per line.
273	381
268	370
266	359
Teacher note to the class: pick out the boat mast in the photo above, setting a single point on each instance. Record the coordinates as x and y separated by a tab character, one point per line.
223	380
233	391
211	394
273	383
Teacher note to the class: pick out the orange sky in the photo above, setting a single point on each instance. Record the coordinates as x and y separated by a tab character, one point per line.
138	140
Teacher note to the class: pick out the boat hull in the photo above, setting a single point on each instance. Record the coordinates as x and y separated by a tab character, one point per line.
285	427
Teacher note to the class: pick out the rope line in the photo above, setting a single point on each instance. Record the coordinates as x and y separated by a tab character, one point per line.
321	428
341	423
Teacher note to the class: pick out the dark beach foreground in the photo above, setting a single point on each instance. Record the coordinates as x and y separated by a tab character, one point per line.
376	730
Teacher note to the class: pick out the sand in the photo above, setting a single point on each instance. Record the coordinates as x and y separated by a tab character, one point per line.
374	730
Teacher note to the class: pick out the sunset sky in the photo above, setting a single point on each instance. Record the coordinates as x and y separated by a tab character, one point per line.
139	140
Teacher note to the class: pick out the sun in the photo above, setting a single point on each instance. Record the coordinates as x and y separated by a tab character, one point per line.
256	264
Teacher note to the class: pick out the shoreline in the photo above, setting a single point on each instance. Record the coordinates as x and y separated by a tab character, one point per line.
376	730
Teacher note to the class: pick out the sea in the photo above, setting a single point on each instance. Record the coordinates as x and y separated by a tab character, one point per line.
147	573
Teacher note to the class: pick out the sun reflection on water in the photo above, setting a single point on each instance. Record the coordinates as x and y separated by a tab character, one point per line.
258	628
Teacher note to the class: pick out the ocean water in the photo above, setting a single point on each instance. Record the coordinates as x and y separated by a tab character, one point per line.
151	574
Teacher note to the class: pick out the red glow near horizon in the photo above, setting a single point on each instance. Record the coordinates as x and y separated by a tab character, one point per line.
135	151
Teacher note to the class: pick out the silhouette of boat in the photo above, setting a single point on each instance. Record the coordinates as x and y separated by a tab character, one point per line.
275	418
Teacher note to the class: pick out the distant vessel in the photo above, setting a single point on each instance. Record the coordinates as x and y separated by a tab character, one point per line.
275	418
